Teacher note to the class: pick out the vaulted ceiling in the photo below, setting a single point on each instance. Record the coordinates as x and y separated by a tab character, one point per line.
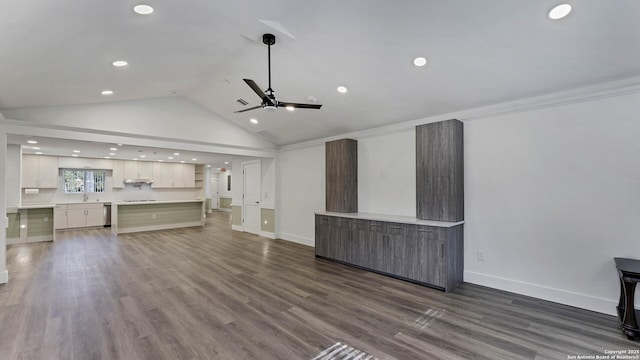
479	53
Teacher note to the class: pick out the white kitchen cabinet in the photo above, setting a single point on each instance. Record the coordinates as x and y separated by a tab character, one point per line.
117	175
138	170
71	216
39	171
156	172
189	175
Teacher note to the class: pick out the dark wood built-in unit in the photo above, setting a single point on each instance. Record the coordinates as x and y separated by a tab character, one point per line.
342	176
427	254
440	171
629	271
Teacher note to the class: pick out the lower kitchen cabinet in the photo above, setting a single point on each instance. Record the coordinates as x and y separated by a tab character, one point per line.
426	252
69	216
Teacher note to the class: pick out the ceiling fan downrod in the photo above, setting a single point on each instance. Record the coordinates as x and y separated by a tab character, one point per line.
269	39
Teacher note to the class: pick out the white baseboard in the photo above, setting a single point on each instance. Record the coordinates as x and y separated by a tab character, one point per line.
4	277
583	301
267	234
41	238
237	228
13	241
298	239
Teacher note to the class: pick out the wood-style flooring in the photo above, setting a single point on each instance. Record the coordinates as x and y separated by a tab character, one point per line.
211	293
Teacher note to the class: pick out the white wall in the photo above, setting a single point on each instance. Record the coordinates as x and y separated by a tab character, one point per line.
13	175
301	189
387	174
552	194
268	181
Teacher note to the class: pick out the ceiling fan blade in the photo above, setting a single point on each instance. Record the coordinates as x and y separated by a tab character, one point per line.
251	108
252	84
299	106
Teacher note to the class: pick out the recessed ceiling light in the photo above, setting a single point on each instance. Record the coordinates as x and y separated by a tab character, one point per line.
226	163
119	144
119	63
170	158
420	61
218	168
160	160
176	154
32	141
76	151
106	92
559	11
35	148
135	159
194	159
254	121
74	155
112	154
143	156
107	157
182	161
143	9
342	89
113	149
38	152
290	108
208	165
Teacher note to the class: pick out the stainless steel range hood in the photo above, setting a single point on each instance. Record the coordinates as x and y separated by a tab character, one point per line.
138	181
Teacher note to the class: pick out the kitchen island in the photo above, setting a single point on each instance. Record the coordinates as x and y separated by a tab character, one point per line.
30	223
137	216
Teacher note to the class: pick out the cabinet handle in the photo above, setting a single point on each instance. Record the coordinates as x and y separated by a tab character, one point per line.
442	250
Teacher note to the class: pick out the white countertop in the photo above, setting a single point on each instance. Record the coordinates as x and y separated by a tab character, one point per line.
118	203
27	207
391	218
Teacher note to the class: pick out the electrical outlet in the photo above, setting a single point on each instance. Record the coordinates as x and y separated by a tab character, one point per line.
480	255
46	219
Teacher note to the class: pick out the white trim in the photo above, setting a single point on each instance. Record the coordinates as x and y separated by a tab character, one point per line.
158	227
224	209
237	228
268	206
606	306
267	234
42	238
582	94
244	184
4	277
13	241
298	239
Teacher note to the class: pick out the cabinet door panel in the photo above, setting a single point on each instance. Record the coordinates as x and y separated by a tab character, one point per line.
432	260
118	174
48	172
60	217
130	169
145	170
95	216
29	171
76	217
189	175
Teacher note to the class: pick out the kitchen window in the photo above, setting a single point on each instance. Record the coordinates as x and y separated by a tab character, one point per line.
83	181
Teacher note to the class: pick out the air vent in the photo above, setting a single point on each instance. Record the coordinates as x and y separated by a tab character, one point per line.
267	135
242	101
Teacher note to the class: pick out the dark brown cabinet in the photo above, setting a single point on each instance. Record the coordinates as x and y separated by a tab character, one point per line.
341	158
440	171
430	255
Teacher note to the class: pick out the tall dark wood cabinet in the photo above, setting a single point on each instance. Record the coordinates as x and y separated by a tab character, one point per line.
342	176
440	171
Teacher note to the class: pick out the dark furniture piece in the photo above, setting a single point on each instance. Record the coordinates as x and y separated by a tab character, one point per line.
629	271
426	252
440	171
341	158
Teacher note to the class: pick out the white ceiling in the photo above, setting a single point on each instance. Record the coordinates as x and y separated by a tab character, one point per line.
479	52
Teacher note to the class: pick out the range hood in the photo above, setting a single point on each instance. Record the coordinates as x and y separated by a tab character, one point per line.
138	181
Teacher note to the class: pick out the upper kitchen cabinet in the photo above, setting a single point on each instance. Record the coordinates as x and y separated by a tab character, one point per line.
189	175
440	171
118	174
174	175
39	171
138	170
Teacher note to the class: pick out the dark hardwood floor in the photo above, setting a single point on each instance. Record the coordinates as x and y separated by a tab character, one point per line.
210	293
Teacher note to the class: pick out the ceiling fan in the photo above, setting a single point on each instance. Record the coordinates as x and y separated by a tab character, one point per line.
269	101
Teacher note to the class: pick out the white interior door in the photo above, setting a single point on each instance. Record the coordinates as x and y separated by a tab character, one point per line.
251	197
215	192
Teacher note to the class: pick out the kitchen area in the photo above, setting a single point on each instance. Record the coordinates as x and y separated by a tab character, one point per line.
58	193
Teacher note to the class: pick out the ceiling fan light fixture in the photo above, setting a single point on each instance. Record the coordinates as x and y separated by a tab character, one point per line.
559	11
119	63
143	9
420	61
290	108
106	92
254	121
270	108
